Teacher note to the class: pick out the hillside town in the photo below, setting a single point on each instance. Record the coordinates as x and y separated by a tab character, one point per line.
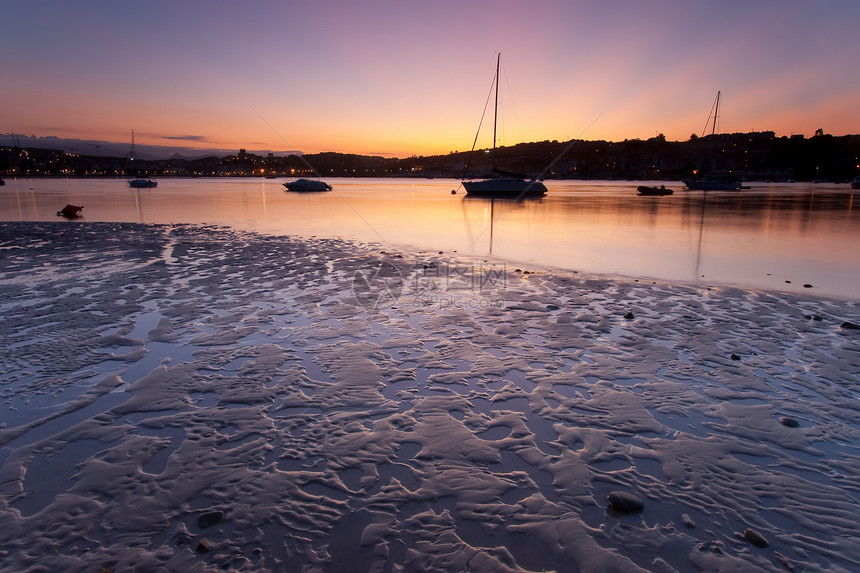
756	156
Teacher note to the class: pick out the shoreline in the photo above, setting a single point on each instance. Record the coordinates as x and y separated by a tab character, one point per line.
189	396
763	241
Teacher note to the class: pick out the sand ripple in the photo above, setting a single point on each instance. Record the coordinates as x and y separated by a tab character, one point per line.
152	375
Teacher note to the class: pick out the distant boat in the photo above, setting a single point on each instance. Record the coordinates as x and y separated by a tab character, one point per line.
714	180
656	191
142	183
504	183
307	185
856	183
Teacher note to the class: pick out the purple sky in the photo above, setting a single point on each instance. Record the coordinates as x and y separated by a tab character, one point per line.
400	78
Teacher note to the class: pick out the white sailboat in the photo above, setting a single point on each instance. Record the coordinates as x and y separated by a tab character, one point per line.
503	183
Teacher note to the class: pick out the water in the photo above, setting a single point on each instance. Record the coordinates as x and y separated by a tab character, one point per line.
771	236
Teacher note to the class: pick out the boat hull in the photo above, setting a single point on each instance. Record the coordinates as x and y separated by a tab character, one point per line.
505	188
653	191
712	185
307	185
142	183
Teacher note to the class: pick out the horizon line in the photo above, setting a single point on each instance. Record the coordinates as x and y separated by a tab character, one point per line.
68	145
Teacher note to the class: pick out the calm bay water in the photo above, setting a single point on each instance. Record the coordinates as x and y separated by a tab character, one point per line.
760	237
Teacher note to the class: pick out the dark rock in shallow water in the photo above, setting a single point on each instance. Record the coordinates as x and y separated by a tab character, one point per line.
209	518
204	546
789	422
850	326
807	285
755	538
735	357
625	502
629	316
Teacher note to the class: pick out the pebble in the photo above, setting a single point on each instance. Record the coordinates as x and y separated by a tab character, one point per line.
850	325
755	538
210	518
626	502
789	422
783	561
629	316
735	357
688	521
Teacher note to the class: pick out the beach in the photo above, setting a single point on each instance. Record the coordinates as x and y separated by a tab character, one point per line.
196	398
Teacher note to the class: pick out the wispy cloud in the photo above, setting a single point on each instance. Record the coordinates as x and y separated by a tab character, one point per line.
185	137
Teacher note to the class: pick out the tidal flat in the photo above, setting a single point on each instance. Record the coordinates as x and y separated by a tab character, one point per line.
196	398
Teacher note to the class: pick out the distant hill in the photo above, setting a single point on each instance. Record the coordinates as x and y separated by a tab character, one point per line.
113	149
756	156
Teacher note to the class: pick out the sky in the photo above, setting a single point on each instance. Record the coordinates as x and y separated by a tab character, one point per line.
402	78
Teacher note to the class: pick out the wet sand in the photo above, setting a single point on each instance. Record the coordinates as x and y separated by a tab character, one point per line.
189	398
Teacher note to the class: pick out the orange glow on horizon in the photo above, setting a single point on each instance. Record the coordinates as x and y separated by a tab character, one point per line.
382	82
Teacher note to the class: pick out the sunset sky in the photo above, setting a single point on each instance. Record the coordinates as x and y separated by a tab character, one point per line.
400	78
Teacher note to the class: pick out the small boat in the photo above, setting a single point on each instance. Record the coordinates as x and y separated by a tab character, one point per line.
70	212
856	183
307	185
142	183
651	190
504	183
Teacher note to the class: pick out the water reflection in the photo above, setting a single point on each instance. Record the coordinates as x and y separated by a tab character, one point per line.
760	237
506	205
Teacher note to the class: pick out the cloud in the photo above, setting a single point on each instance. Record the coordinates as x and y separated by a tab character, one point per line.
185	137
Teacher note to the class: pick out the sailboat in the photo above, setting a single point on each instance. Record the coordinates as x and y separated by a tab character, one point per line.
138	182
714	180
503	183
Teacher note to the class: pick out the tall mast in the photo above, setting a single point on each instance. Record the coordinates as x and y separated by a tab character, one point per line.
496	109
716	113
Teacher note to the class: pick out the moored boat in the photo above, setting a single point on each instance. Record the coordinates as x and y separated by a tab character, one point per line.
856	183
505	186
653	190
307	185
714	180
142	183
503	183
